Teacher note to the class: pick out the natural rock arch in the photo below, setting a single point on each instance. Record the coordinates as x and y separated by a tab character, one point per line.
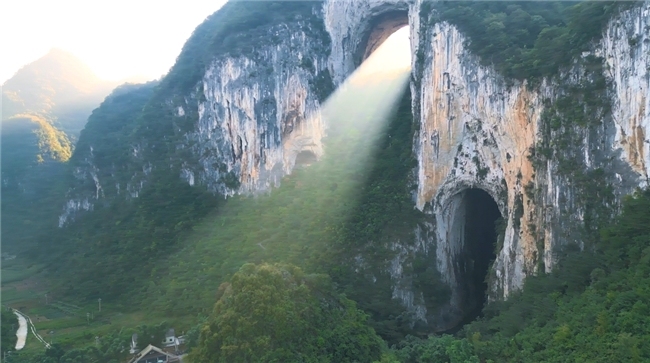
358	28
380	28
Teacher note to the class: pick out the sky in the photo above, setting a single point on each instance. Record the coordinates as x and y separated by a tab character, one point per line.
118	39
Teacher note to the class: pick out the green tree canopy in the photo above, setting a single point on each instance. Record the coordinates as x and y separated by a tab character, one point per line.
277	313
9	324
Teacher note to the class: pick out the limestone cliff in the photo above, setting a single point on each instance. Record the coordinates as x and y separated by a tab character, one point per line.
478	131
258	115
626	50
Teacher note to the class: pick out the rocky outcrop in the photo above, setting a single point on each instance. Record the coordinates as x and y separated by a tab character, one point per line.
258	115
626	50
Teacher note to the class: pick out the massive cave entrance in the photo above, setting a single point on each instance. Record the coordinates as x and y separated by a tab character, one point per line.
371	93
480	222
482	215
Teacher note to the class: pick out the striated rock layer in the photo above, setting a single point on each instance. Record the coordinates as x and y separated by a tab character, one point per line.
257	112
626	50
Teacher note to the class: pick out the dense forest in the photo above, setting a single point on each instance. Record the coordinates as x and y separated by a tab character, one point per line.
271	278
528	40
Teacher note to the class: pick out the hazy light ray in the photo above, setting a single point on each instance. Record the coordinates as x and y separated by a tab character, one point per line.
302	219
358	111
369	95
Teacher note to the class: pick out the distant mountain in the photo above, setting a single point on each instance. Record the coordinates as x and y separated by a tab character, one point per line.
45	105
59	86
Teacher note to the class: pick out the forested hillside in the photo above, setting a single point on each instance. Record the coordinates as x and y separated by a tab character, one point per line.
44	107
275	277
143	219
128	228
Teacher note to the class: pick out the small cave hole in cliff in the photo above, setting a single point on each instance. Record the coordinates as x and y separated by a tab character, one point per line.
482	218
305	158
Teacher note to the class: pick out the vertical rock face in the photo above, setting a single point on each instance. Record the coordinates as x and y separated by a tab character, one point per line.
612	151
257	114
626	50
255	131
476	132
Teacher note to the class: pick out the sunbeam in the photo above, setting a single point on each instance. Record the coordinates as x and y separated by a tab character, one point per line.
301	220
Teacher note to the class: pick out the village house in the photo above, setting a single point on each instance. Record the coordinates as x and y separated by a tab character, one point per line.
152	354
172	350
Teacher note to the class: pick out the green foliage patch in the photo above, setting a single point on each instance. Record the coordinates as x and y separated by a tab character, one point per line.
528	40
277	313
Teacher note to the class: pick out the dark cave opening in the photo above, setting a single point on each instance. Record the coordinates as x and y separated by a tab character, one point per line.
305	158
481	217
